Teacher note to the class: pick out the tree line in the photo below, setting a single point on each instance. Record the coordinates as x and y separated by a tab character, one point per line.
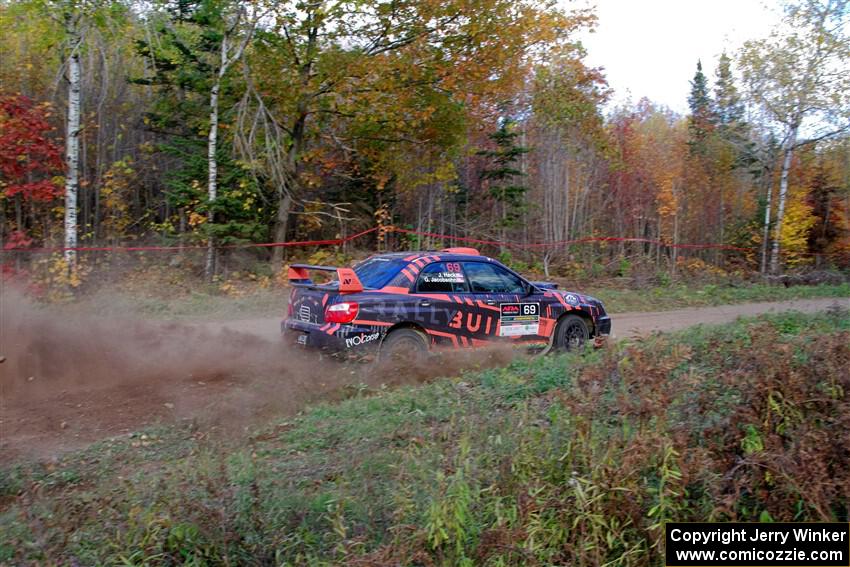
214	122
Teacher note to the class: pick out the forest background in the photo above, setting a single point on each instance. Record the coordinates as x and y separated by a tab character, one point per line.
207	125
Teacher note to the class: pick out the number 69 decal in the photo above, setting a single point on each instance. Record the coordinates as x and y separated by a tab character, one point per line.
529	309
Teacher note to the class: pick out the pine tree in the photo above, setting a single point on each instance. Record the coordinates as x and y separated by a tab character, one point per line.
728	108
729	115
503	172
701	120
197	42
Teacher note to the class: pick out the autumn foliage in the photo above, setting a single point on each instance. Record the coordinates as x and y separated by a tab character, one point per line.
30	156
335	119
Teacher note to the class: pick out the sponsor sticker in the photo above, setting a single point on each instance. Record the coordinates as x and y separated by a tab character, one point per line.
571	299
519	319
358	340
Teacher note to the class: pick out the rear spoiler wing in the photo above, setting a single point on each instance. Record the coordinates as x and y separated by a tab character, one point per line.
348	280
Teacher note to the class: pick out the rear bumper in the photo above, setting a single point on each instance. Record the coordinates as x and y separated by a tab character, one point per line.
332	338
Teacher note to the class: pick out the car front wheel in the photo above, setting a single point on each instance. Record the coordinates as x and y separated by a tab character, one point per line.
572	333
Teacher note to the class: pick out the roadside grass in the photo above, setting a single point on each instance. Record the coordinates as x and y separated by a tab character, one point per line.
676	296
271	302
574	459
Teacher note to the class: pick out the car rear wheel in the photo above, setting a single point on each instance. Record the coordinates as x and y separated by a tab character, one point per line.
404	345
572	333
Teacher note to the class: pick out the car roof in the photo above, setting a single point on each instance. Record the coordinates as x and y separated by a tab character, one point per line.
444	256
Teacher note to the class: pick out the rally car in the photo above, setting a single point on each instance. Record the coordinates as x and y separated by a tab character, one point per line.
409	303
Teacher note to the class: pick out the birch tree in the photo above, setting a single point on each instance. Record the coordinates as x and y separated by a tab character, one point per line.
798	77
72	140
73	17
236	34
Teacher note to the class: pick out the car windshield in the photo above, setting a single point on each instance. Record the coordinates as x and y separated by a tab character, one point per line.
376	272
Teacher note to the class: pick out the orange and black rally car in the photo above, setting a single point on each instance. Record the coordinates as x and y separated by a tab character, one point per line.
406	303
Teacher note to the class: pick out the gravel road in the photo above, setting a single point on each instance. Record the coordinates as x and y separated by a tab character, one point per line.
625	324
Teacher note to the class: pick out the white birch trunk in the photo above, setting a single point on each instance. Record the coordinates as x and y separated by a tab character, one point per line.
766	234
783	193
72	156
212	179
227	58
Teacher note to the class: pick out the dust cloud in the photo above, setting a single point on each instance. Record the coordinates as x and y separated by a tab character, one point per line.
70	379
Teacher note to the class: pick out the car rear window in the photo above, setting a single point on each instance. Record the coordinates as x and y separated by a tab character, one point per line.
376	272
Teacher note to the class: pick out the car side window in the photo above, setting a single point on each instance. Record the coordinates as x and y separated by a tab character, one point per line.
489	278
442	277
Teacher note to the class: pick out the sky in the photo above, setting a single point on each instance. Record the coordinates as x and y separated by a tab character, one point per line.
650	47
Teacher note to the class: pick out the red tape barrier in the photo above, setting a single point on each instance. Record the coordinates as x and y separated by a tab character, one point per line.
532	245
337	241
538	245
201	247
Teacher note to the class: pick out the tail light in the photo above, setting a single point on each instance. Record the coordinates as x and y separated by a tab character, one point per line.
344	312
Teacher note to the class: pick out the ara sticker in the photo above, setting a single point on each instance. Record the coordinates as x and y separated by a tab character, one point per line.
519	319
571	299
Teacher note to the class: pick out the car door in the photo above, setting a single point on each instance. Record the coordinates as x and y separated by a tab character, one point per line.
441	310
509	311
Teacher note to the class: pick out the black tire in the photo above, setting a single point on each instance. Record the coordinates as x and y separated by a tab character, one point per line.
404	345
572	333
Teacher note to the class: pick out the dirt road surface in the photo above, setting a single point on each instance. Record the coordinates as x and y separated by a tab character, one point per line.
626	325
631	324
69	381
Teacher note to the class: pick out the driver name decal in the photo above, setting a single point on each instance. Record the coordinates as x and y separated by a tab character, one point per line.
452	274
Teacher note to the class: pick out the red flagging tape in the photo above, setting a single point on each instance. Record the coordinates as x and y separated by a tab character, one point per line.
337	241
538	245
201	247
576	241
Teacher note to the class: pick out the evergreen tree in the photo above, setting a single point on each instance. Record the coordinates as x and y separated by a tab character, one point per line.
728	108
186	53
729	115
503	173
701	120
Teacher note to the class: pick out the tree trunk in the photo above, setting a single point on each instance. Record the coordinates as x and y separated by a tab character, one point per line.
783	193
72	154
766	231
721	254
675	248
212	180
281	226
